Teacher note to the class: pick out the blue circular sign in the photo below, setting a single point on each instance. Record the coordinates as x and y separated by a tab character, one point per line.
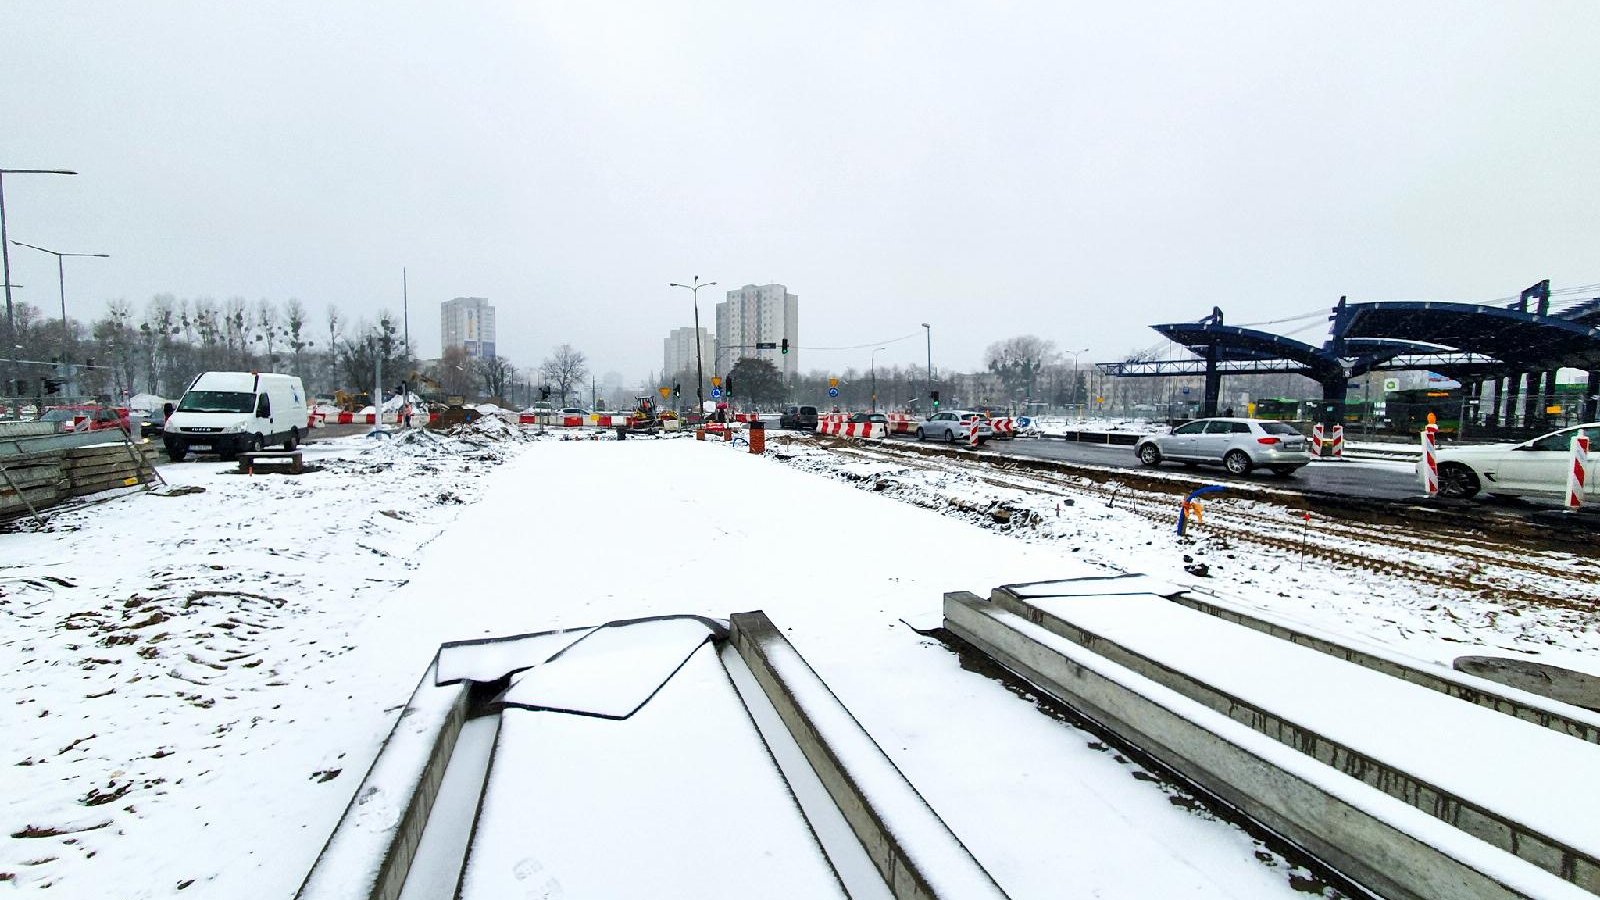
716	392
833	392
1023	421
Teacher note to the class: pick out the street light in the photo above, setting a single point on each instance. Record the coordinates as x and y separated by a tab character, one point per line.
5	259
874	366
1075	377
61	280
699	371
929	329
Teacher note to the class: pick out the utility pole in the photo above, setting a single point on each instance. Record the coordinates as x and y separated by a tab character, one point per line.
10	346
405	307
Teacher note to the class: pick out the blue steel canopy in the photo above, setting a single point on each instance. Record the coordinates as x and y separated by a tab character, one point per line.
1232	343
1523	341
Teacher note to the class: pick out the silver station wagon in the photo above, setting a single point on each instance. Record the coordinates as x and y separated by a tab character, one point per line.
1237	445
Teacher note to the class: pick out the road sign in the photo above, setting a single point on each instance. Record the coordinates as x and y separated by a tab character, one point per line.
663	391
833	382
716	393
716	381
833	392
1186	392
766	345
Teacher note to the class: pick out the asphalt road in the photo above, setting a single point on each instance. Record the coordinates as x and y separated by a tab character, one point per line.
1379	479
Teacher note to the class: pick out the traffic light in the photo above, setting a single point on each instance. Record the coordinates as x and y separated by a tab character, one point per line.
730	385
677	388
51	386
544	393
935	396
785	345
22	387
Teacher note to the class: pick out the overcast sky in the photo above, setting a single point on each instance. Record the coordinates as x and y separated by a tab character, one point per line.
1072	170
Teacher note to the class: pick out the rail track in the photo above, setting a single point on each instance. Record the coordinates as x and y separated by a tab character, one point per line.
1511	560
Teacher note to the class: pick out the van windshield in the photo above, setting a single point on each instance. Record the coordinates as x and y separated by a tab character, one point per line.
217	402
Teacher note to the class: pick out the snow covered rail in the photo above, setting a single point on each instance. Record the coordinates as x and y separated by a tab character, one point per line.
1530	707
657	757
1410	792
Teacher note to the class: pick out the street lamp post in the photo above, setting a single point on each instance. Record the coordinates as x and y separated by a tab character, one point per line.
929	329
1076	378
5	267
61	280
874	366
699	370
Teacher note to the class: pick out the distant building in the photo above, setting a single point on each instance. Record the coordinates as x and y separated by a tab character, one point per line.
468	323
754	314
677	352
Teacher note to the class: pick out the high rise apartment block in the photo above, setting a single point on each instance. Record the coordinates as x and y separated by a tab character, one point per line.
468	323
759	314
677	352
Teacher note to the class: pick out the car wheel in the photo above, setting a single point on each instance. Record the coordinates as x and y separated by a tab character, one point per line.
1457	480
949	435
176	450
293	440
920	435
1237	462
1150	455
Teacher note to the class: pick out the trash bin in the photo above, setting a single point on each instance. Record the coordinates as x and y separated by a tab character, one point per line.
758	437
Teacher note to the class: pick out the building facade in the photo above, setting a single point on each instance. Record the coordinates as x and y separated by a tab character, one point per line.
753	314
468	323
677	352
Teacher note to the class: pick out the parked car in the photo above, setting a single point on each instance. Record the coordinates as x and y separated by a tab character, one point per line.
85	418
231	412
880	418
952	424
1237	445
803	418
574	411
1536	468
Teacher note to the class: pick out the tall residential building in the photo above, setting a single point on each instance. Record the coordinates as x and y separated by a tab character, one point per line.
677	352
753	314
468	322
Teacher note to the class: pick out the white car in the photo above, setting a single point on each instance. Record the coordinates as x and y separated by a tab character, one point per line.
1536	468
953	425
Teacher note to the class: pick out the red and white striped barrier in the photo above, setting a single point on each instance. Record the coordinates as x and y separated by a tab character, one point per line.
1430	461
972	433
853	429
1577	472
1337	448
1318	438
900	423
1004	427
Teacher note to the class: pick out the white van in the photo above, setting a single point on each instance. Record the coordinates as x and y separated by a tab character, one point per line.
228	413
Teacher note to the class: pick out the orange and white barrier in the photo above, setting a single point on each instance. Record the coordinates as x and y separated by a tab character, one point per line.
1430	461
1578	471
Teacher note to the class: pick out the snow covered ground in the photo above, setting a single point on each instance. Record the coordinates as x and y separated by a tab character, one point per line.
196	680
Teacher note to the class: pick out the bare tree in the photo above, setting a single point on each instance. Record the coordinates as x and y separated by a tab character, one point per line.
496	372
563	369
295	331
1017	361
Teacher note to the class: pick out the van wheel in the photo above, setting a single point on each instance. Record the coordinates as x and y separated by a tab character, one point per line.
293	440
252	444
176	450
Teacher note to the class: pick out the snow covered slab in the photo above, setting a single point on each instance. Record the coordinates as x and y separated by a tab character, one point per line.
611	671
681	800
1379	840
490	659
1451	759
